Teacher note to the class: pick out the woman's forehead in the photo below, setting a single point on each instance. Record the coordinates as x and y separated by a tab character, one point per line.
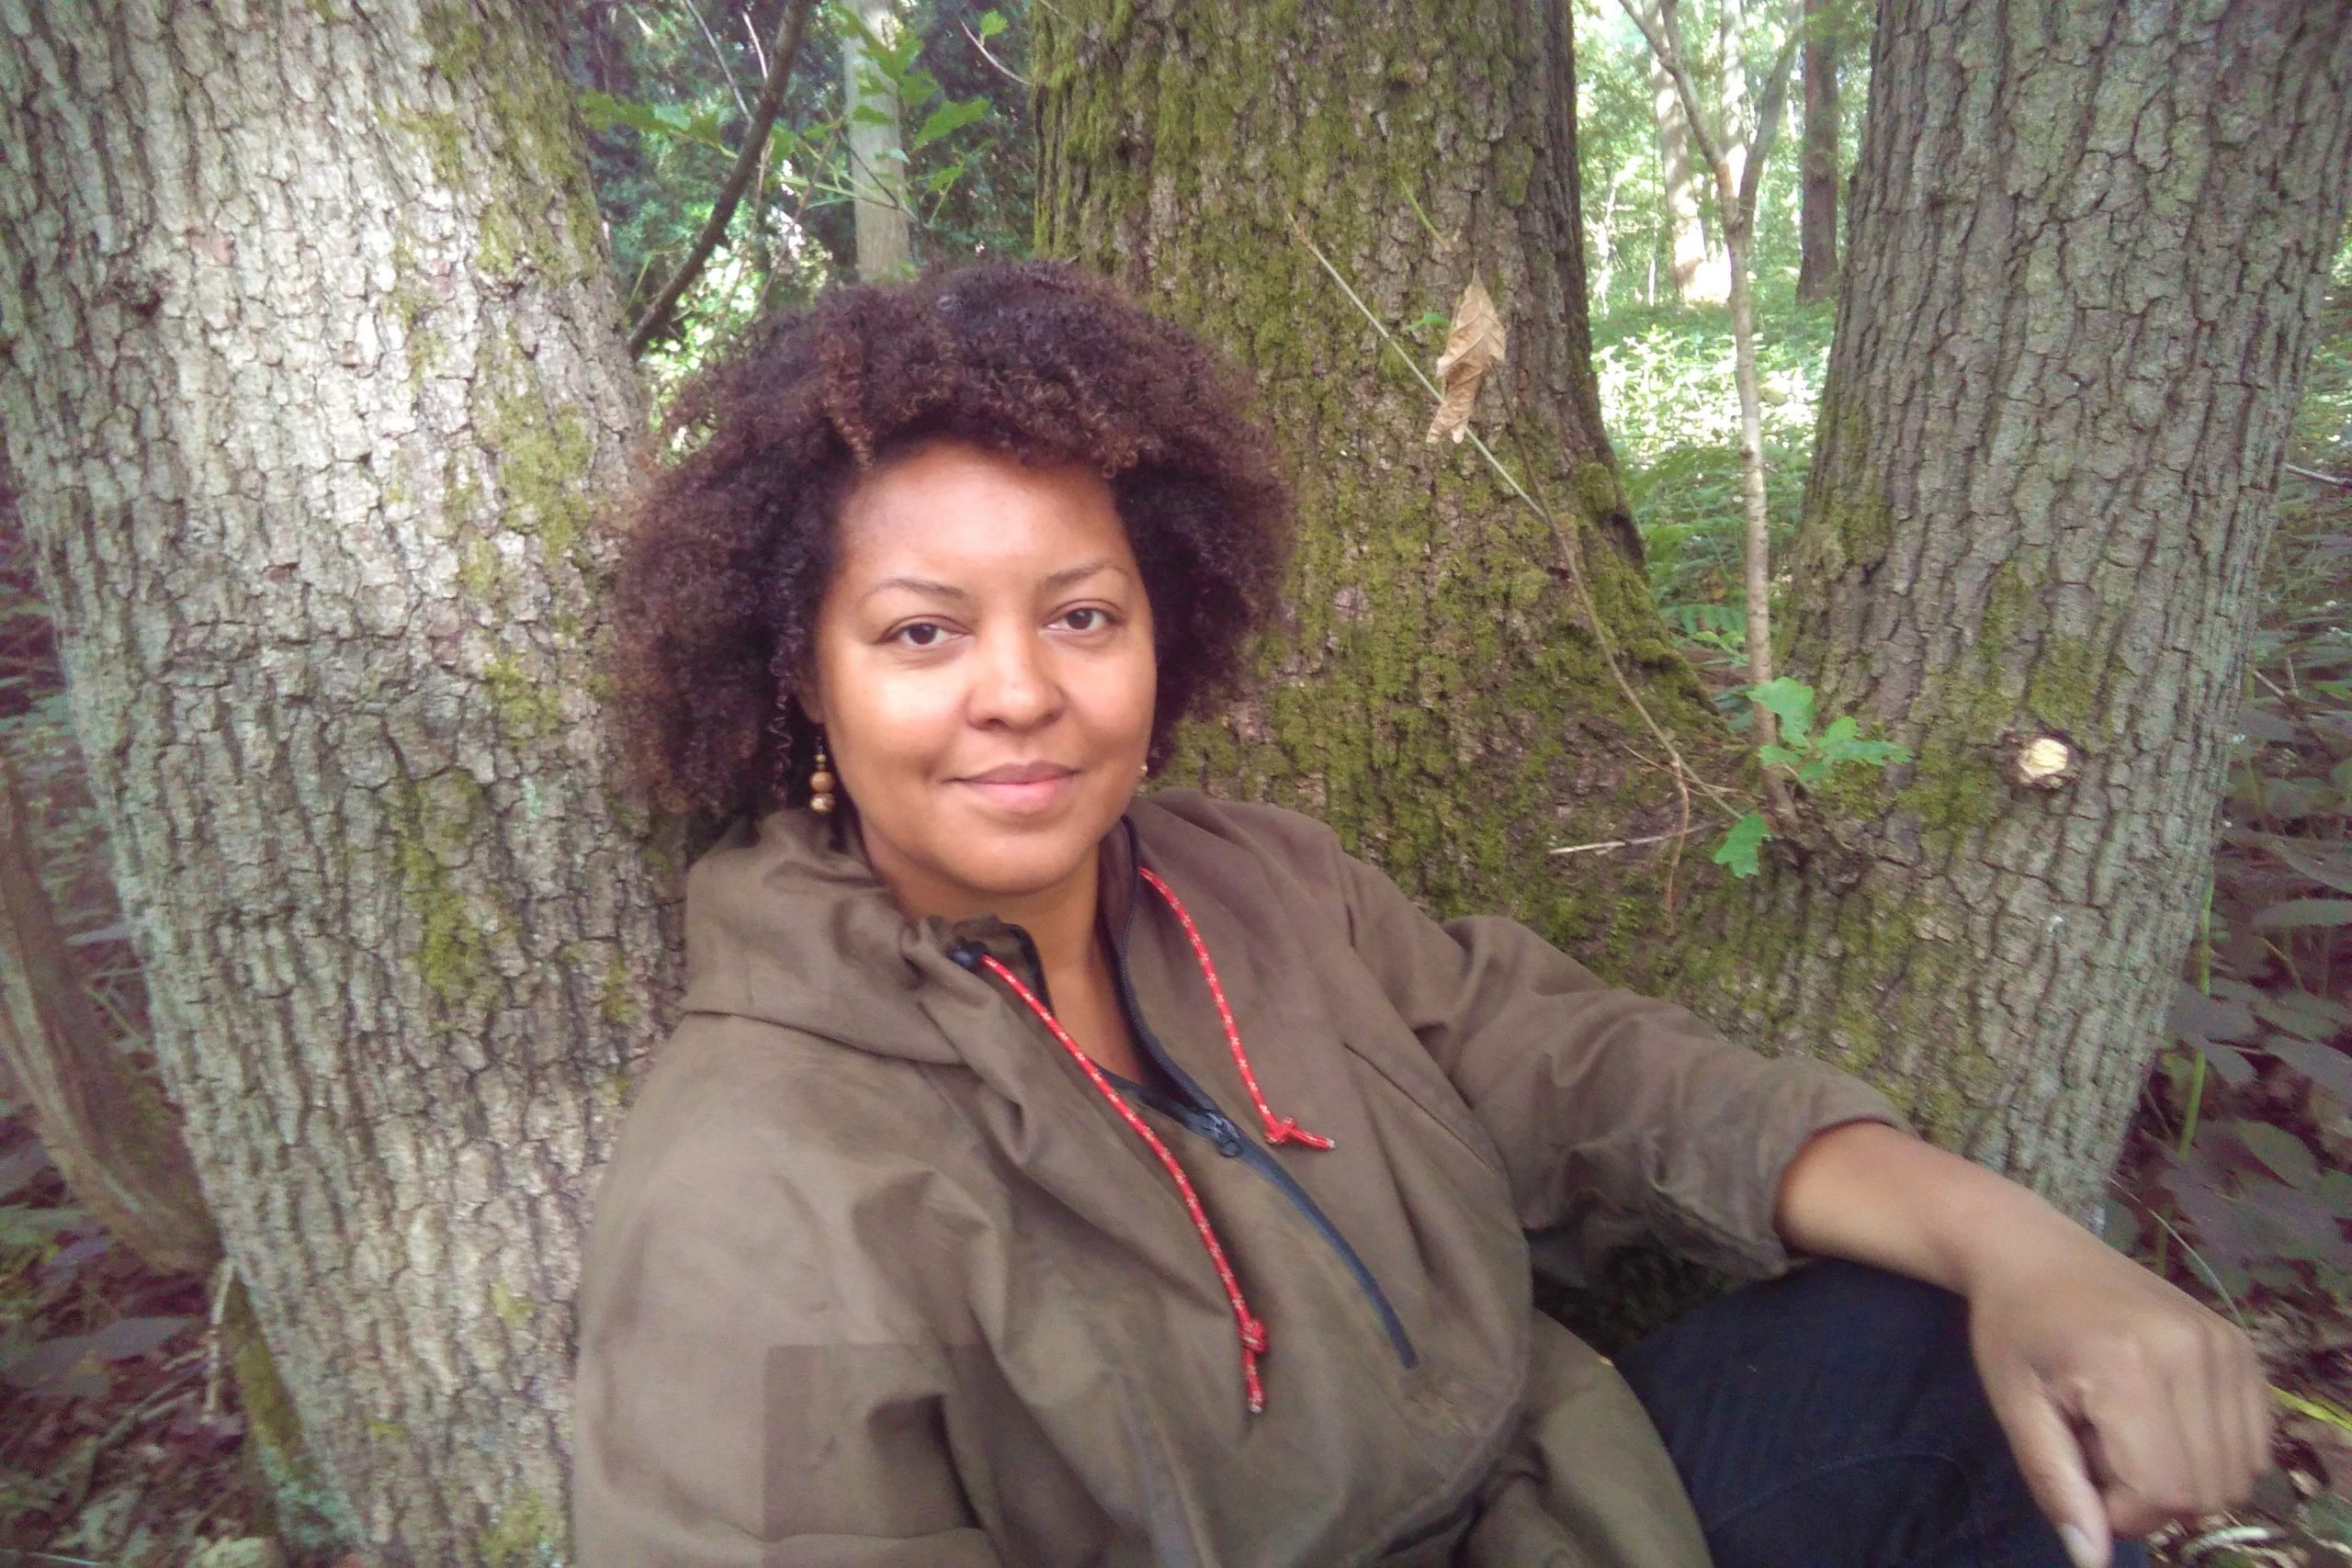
953	510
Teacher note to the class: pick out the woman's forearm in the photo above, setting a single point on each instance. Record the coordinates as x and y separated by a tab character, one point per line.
1870	1193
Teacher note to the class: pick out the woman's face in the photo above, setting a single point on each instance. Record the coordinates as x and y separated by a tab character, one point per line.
984	672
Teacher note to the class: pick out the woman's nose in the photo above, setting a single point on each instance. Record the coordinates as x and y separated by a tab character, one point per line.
1013	684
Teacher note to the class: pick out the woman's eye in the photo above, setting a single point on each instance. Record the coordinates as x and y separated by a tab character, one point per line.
920	634
1086	618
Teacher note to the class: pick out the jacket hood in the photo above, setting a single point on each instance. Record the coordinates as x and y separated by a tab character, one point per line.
786	922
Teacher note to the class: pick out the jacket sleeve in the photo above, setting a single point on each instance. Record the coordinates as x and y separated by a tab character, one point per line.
754	1386
1620	1118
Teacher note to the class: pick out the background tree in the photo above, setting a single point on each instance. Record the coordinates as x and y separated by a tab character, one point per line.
876	144
312	374
1701	269
1915	937
2085	268
1818	217
669	85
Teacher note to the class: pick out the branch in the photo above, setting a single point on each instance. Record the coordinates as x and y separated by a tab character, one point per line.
2323	478
981	44
1767	124
747	160
1667	47
725	70
1633	843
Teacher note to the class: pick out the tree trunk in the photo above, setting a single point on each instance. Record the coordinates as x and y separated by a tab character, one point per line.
1439	699
2079	299
1817	199
1696	275
114	1141
877	168
312	379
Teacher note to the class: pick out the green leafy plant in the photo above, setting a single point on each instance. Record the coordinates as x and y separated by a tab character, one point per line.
1807	757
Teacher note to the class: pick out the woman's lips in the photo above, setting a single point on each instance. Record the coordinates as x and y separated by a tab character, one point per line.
1021	790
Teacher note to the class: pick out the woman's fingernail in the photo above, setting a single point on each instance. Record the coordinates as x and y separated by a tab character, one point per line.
2078	1547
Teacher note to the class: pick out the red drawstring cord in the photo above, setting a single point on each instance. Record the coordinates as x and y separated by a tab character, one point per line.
1282	1131
1252	1330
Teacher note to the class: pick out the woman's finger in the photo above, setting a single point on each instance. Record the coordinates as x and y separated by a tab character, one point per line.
2051	1463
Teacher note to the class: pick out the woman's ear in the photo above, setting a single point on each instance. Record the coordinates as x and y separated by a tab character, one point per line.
803	692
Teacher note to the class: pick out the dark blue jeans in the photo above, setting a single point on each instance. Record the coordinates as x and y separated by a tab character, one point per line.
1832	1418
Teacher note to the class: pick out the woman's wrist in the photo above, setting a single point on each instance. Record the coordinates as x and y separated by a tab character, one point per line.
1871	1192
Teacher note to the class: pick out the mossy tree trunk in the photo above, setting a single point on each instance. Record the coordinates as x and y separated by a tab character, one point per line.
311	377
1439	699
2085	261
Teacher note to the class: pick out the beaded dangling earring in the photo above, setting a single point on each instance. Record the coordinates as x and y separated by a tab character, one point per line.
820	780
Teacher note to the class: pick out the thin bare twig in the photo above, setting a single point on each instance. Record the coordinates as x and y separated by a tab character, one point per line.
981	44
725	68
1631	843
222	1275
1735	206
751	33
748	159
2315	474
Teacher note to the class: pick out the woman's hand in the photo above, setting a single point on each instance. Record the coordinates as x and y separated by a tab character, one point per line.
2128	1405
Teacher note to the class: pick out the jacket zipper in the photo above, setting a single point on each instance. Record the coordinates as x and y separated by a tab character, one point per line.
1199	1114
1227	1138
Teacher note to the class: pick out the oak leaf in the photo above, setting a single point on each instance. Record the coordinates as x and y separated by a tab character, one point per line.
1474	345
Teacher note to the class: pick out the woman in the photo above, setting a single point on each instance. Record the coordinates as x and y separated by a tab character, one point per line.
1042	1174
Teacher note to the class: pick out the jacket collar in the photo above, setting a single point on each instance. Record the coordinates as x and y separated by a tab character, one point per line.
786	922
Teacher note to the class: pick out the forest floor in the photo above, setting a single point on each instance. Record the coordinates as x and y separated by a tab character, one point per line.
122	1439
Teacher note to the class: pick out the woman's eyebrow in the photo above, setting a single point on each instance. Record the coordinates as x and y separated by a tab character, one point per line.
1053	581
916	585
1067	575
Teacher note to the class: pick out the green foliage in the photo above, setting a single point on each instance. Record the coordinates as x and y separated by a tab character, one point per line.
1802	755
664	91
1737	852
1807	757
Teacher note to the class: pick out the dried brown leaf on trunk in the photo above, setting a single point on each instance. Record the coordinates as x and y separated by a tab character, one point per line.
1473	345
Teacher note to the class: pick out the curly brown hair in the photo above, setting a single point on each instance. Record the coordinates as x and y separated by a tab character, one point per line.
728	551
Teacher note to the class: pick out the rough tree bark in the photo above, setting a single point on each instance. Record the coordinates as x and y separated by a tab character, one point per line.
1817	159
311	375
1438	699
2087	252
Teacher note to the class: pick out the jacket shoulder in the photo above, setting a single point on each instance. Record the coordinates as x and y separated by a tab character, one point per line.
776	1167
771	1092
1290	836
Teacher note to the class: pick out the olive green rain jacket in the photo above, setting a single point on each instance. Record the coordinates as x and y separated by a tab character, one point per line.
879	1275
